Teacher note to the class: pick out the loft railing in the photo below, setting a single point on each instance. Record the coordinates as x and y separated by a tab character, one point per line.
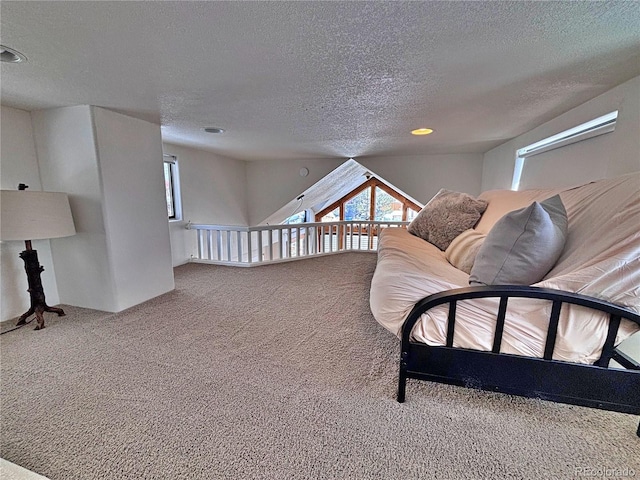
250	246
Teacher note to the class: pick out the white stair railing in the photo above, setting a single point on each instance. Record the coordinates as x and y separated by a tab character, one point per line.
250	246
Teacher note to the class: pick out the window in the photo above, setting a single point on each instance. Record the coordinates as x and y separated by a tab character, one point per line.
593	128
358	207
299	217
387	208
372	200
172	187
333	216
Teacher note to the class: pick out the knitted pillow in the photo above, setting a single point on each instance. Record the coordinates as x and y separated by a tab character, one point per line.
446	216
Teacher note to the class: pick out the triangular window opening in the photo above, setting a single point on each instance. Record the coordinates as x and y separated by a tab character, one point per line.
372	200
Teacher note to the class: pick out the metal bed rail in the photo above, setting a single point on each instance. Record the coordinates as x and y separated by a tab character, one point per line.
595	386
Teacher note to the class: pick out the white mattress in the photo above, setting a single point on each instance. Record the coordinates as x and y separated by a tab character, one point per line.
602	259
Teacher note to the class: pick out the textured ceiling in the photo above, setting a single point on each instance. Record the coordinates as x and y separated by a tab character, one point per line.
322	79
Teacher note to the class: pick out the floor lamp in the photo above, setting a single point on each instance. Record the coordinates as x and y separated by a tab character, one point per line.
29	215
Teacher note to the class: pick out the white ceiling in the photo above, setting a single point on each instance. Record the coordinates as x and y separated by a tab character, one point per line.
322	79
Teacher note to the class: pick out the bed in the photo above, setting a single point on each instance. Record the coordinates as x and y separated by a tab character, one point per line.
554	339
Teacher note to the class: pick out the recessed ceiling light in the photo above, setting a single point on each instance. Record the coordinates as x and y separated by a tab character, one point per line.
10	55
421	131
213	130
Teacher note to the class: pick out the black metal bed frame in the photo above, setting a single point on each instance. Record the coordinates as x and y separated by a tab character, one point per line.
595	386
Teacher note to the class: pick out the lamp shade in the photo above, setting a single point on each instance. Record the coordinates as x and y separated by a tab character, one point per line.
30	215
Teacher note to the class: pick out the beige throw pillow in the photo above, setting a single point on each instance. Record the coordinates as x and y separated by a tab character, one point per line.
446	216
462	251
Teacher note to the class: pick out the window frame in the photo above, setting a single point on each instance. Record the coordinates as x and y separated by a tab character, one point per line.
174	186
593	128
371	183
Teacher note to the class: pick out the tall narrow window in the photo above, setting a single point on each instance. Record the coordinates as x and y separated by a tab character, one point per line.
387	207
171	187
358	208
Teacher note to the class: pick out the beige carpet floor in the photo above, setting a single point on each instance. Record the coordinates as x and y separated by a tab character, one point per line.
274	372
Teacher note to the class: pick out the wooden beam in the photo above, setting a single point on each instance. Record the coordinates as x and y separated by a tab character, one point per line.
344	199
398	196
372	203
373	183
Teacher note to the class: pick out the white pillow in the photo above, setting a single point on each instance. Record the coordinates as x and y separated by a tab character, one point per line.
462	252
522	246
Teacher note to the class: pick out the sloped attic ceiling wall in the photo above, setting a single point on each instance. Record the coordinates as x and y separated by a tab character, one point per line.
327	190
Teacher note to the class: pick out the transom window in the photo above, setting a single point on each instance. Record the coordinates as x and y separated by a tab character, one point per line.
593	128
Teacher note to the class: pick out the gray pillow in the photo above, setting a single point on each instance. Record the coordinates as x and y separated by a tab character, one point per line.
522	246
446	216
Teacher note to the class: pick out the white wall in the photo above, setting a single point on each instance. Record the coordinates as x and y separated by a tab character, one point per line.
272	184
133	203
111	167
213	190
67	156
421	176
605	156
19	164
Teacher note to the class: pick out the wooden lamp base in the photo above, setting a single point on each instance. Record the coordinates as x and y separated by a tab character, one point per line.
38	304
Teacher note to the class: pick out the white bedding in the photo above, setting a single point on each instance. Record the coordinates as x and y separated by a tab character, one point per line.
601	259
